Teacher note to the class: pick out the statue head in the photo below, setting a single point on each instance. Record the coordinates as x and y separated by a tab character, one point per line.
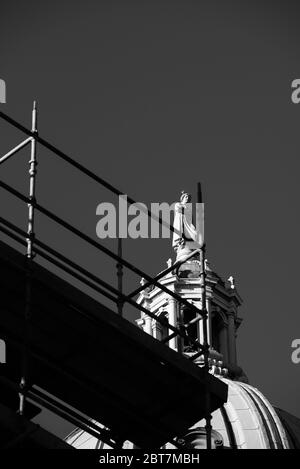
185	197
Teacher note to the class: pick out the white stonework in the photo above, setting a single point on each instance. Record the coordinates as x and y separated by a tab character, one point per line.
247	420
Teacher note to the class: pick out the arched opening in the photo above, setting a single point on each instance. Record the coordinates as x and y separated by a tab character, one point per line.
187	316
219	333
215	331
165	328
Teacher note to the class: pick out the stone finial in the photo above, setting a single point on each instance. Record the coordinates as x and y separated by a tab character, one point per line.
146	289
142	281
231	280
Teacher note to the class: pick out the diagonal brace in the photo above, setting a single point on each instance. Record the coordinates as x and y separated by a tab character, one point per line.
16	149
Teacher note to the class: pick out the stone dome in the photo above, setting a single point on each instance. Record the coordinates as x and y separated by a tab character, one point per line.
246	421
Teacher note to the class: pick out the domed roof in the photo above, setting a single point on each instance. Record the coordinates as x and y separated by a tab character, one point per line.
246	421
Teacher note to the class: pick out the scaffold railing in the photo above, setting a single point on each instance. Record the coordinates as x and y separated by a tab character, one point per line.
35	246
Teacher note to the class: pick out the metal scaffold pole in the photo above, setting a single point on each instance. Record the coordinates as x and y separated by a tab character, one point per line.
29	257
208	417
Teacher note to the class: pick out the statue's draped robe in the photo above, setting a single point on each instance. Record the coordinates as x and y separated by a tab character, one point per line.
185	232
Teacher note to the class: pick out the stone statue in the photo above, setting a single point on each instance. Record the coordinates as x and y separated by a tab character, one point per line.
186	237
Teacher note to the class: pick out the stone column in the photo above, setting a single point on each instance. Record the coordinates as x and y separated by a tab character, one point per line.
172	308
156	330
231	338
147	327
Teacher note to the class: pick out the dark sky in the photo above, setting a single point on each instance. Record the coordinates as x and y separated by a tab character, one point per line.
155	96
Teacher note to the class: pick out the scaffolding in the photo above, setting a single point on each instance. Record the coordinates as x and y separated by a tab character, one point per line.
36	247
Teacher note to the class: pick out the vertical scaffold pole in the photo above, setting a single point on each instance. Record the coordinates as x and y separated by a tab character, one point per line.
208	417
29	258
208	426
